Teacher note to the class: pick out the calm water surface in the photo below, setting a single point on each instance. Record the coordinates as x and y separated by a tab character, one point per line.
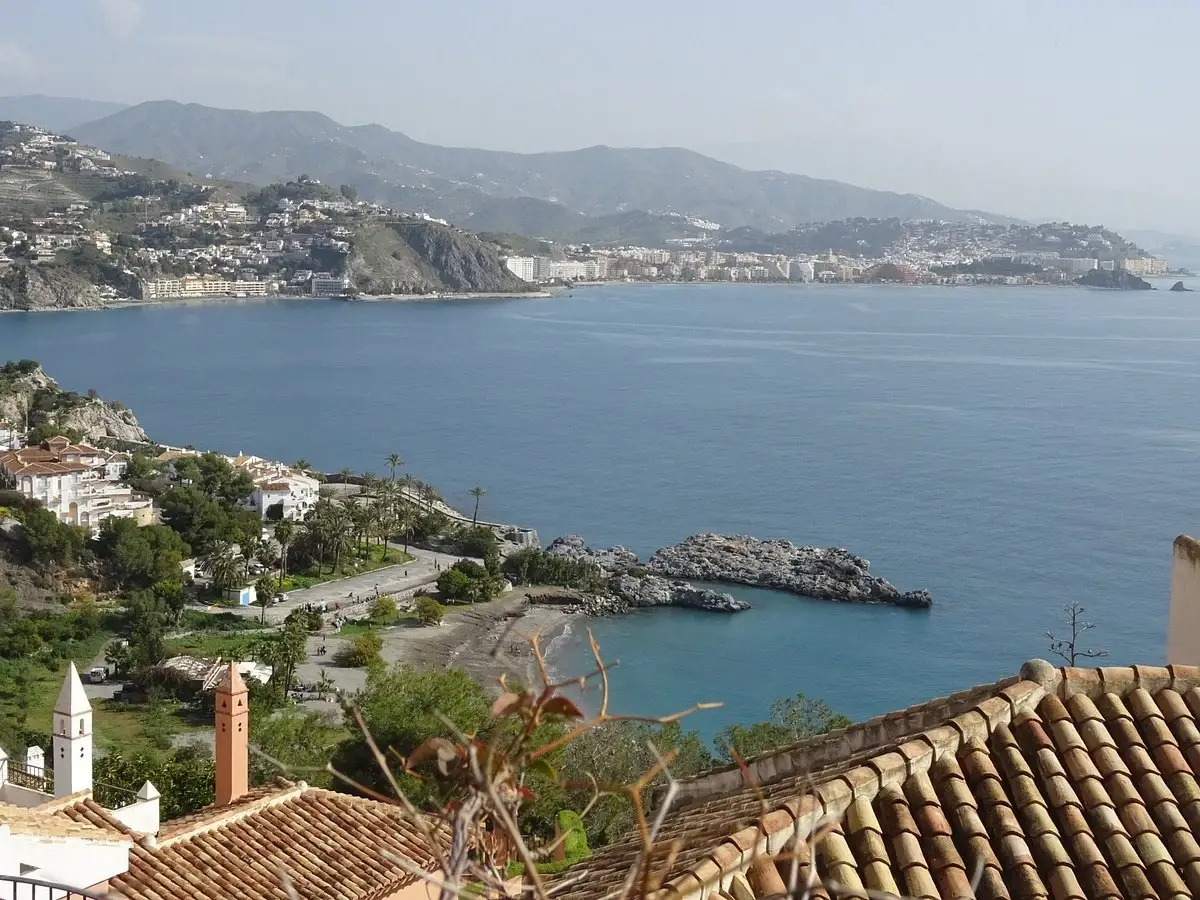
1009	449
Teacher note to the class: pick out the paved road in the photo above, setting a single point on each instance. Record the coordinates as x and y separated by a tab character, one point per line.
392	580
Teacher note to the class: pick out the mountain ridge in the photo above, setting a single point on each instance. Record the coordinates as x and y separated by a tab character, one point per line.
457	182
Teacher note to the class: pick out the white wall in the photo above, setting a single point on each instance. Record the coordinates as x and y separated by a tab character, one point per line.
1183	628
21	796
141	816
71	861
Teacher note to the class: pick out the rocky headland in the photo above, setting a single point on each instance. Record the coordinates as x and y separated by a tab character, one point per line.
28	287
1114	280
829	573
27	393
630	586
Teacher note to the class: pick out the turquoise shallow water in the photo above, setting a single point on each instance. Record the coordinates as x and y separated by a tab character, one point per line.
1009	449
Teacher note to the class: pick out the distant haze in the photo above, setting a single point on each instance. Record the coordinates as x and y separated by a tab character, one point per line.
1071	109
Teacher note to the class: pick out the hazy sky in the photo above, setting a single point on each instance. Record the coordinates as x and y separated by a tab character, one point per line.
1057	108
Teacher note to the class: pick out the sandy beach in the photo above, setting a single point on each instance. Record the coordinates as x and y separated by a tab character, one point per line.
485	640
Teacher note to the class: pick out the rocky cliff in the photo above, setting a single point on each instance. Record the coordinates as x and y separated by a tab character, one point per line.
426	258
827	573
29	287
27	393
1118	281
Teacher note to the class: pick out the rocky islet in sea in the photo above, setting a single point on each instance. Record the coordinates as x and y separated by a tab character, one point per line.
829	573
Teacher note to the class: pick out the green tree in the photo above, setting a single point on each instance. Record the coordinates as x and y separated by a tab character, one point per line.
402	708
285	533
616	754
363	651
428	610
793	719
186	779
383	609
283	651
301	740
348	192
225	564
477	492
49	542
138	557
118	656
394	462
454	584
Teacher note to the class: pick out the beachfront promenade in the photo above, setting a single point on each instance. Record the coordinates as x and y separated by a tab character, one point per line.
421	570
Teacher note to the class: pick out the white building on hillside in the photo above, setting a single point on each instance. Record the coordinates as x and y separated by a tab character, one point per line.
280	492
78	483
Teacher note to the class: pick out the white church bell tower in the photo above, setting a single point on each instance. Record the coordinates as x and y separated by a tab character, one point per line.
72	738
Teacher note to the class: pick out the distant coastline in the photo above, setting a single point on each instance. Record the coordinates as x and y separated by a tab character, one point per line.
541	294
227	298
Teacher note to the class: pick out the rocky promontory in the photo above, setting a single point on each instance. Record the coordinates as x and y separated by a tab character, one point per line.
27	393
630	586
29	287
1114	280
1179	287
826	573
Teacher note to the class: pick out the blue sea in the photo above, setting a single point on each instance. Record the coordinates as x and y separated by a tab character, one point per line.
1010	449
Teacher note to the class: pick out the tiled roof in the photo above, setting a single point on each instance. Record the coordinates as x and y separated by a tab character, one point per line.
1067	783
329	844
75	817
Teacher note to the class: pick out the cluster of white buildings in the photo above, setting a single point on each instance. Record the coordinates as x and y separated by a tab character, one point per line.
78	483
542	268
280	491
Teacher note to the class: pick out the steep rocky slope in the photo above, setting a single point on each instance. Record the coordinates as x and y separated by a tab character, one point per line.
28	287
27	393
424	258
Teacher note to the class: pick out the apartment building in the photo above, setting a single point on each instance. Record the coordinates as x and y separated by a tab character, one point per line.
325	285
1146	267
78	483
190	286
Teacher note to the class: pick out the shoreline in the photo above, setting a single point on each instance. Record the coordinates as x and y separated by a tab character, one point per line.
225	299
545	293
487	641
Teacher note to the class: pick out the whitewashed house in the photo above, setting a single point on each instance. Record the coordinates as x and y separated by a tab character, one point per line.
77	482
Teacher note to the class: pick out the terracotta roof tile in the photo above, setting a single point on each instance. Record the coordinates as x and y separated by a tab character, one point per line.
329	844
1075	784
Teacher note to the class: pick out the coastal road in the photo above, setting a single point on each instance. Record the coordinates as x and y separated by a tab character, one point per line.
394	580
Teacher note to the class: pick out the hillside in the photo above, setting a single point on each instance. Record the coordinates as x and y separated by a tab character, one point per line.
425	258
458	183
28	394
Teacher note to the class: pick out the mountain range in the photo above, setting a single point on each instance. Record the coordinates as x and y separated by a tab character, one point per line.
596	193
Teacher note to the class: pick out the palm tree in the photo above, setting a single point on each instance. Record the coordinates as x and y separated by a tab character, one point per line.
477	492
346	473
224	564
394	462
302	465
370	482
405	518
338	528
285	533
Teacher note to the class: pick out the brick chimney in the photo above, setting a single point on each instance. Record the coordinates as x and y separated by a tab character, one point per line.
233	738
1183	628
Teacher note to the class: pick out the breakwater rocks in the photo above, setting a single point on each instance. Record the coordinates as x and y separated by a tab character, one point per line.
826	573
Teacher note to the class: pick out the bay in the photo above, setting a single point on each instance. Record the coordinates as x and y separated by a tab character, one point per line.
1011	449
